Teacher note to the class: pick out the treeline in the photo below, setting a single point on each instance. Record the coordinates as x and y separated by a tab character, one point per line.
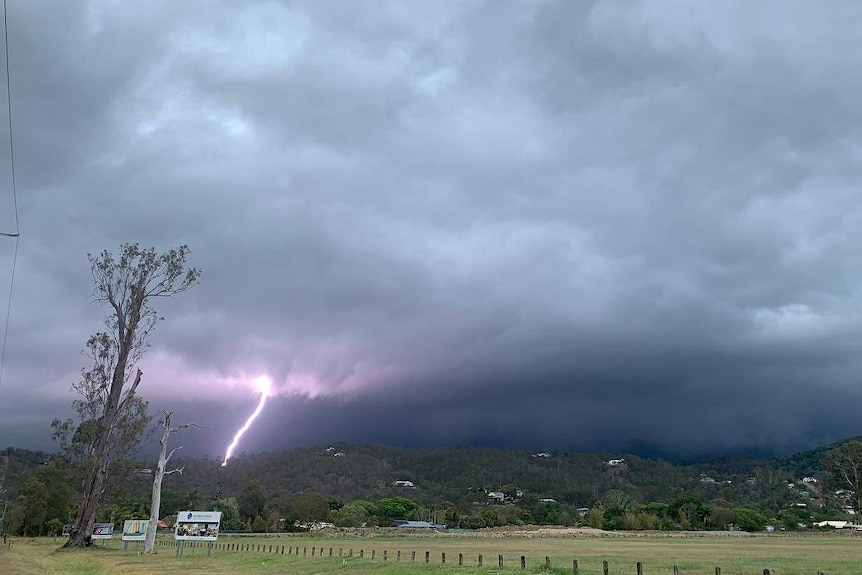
352	486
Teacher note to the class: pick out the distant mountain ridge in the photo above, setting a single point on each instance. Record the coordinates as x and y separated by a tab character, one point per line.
460	474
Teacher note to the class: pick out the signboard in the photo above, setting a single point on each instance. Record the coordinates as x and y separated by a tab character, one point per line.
103	530
197	525
135	529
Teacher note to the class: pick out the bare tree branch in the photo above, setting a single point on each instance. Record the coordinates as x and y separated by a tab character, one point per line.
187	425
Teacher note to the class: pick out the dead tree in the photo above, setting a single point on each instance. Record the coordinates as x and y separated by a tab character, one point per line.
164	458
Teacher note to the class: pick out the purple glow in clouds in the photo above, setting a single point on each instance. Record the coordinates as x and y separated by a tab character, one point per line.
263	385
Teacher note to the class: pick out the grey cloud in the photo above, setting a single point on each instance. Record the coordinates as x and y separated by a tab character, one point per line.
508	218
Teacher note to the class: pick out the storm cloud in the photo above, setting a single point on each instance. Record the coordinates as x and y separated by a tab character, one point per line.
588	225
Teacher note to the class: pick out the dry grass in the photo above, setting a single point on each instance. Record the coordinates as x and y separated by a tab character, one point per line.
783	555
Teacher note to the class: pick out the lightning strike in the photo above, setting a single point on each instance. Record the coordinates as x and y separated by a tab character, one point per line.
263	385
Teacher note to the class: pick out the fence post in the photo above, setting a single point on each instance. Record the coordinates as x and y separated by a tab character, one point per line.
304	551
270	548
340	551
312	551
443	558
765	571
717	570
398	556
547	561
373	553
330	551
523	562
640	568
350	554
605	567
361	553
385	555
480	559
427	557
575	567
320	554
460	559
499	560
413	555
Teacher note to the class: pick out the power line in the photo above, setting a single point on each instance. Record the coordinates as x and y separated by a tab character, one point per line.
17	233
8	312
9	106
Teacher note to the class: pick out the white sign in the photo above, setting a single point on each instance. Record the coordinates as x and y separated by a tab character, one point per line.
135	529
197	525
103	530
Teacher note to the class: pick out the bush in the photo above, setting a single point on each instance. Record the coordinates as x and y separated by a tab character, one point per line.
259	525
748	519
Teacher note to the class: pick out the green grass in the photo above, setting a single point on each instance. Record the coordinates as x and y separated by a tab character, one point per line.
783	555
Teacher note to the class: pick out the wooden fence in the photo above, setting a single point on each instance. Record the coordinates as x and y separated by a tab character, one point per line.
315	551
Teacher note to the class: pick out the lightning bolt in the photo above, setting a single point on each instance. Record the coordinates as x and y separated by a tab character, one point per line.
263	385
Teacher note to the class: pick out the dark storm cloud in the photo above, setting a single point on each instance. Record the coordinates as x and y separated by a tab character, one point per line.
596	225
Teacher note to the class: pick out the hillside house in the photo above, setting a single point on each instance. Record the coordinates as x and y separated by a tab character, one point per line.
496	497
616	462
405	483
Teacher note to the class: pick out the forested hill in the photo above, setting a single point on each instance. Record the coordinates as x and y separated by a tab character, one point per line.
808	463
462	475
458	474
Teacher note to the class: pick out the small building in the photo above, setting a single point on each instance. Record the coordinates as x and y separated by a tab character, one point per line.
809	480
496	497
404	483
547	500
833	524
542	454
419	525
616	462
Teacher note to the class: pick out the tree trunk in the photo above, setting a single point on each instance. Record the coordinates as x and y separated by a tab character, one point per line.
82	531
150	541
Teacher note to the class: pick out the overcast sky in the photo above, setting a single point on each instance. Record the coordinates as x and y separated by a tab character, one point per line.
610	225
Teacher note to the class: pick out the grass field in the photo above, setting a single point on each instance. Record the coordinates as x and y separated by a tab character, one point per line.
784	555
